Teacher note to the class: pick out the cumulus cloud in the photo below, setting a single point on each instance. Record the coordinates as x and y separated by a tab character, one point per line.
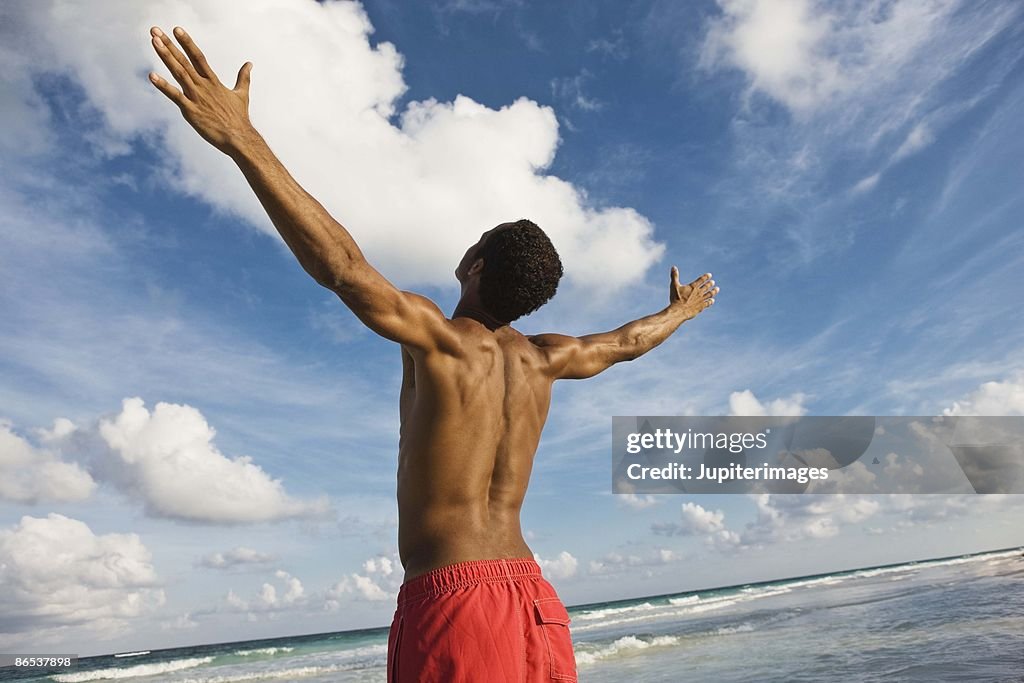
787	518
562	566
325	98
745	403
292	594
780	519
56	572
239	556
696	520
379	581
167	459
993	399
32	474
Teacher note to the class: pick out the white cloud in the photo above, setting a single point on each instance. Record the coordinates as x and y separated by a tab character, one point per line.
745	403
236	557
56	572
324	97
700	521
992	398
358	584
867	183
293	587
168	460
29	474
806	54
382	565
696	520
779	44
562	566
919	137
379	581
268	599
789	518
635	501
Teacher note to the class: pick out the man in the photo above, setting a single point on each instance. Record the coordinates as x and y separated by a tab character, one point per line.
475	395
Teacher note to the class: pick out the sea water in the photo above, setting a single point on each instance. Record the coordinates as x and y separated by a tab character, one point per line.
956	619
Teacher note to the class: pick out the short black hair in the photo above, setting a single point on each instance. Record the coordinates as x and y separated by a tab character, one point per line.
521	270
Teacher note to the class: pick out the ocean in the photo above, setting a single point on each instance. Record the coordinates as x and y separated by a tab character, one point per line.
953	619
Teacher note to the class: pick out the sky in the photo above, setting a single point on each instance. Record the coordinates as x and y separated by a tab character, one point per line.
198	443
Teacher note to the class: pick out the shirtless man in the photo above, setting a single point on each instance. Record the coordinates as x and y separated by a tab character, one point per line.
475	395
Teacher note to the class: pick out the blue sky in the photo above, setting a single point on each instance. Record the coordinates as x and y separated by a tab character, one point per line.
199	444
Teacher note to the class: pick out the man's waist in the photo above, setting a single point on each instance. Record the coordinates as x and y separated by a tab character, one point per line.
467	573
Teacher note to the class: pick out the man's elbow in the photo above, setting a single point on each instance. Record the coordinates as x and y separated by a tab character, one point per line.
340	277
631	347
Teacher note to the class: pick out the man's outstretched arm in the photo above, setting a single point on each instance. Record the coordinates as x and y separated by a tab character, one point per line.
323	247
582	357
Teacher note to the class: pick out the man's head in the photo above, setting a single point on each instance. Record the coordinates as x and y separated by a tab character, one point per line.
514	267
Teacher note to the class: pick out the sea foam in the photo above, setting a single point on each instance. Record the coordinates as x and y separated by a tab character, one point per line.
133	671
624	646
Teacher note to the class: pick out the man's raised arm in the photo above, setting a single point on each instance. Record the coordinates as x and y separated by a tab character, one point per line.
323	247
582	357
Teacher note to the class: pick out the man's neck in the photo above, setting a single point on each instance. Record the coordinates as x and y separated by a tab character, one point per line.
467	310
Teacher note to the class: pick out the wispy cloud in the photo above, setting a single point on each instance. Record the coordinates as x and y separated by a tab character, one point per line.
862	86
569	89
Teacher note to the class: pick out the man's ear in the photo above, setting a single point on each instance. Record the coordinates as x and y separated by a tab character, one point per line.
477	266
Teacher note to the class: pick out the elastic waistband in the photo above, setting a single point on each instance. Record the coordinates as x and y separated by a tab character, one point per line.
463	574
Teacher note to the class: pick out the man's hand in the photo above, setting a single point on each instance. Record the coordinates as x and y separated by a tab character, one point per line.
694	297
219	114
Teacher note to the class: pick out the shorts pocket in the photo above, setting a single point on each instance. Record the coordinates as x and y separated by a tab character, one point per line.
554	622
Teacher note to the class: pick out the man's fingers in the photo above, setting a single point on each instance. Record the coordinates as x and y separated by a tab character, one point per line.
242	82
195	55
173	94
675	277
175	67
175	60
701	280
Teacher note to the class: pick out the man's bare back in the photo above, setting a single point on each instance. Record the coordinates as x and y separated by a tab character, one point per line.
471	422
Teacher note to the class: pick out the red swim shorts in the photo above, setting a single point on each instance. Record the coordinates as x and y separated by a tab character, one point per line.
487	621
